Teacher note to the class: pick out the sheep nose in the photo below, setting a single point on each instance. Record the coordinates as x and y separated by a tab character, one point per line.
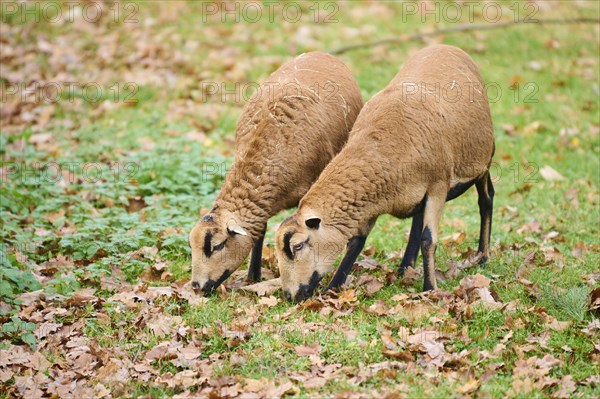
209	287
196	287
287	295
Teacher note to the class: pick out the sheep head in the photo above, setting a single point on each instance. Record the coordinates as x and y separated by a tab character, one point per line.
306	248
219	246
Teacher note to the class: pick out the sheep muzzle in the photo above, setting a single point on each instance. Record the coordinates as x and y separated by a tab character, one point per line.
306	290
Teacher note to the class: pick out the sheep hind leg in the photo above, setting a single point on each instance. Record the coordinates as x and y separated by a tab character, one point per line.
254	268
354	247
412	248
431	220
485	191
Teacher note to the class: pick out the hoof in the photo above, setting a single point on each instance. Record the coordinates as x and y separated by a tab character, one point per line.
254	278
402	269
483	260
428	286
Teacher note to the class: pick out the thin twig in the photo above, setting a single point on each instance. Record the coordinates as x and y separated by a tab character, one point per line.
137	353
463	28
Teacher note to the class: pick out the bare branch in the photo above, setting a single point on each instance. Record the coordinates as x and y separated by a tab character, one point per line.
462	28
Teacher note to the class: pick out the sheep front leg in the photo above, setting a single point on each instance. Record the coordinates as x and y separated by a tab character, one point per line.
485	190
354	247
431	220
256	259
414	242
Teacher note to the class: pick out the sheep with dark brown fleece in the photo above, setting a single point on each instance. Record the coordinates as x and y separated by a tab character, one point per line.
297	122
423	140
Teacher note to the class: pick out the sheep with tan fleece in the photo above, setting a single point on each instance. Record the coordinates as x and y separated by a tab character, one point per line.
298	121
423	140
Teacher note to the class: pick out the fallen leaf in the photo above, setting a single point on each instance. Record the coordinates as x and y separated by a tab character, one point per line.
264	287
164	324
157	352
558	325
579	249
470	386
455	238
410	277
595	299
135	204
405	356
347	296
566	387
423	336
196	136
41	138
314	382
475	281
549	174
268	301
307	350
83	297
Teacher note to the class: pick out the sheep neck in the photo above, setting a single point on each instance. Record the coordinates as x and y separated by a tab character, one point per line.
247	193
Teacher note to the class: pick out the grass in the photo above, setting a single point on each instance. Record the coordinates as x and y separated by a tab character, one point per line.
569	304
144	151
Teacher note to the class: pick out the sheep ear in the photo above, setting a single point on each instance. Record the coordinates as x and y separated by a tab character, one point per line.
234	228
313	222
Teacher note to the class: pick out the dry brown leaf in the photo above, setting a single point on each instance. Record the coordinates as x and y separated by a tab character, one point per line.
195	135
307	350
436	354
164	324
265	287
372	287
423	336
277	392
455	238
595	299
54	216
550	174
368	263
470	386
83	297
268	301
40	138
531	227
579	249
410	277
404	356
475	281
185	291
135	204
486	298
252	385
566	388
558	325
157	352
29	298
314	382
347	296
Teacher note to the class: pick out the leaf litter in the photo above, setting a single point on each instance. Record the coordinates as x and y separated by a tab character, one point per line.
100	338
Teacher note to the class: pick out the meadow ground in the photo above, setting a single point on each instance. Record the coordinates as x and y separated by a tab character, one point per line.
103	178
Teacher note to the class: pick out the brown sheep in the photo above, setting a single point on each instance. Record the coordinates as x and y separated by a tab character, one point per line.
298	120
423	140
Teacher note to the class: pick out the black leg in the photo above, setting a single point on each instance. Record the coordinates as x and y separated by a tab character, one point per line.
485	190
256	259
355	245
414	243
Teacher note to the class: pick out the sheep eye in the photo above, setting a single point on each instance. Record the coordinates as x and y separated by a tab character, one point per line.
220	246
298	247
